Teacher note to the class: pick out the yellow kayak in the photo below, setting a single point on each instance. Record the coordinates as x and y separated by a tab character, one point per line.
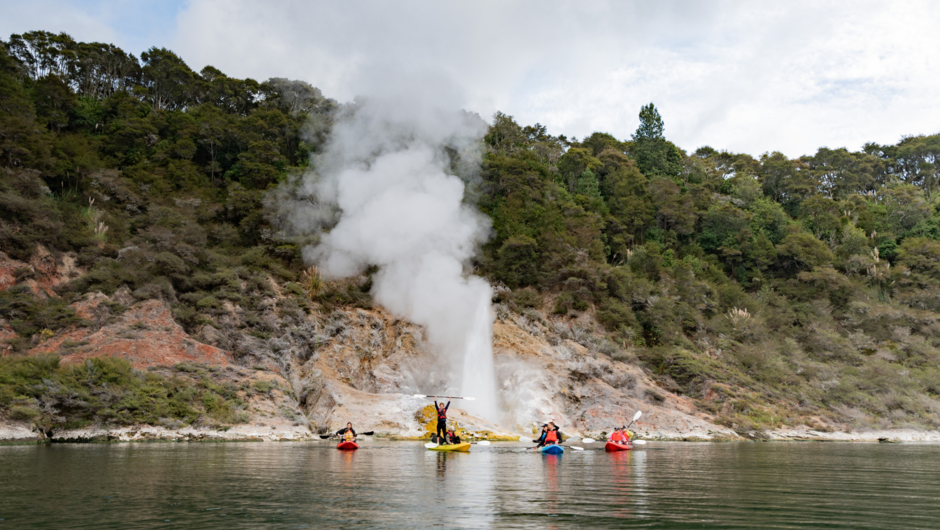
463	448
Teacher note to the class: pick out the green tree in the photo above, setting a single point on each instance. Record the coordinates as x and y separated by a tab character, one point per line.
654	154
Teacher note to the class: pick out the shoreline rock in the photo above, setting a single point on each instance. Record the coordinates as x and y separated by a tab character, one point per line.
18	433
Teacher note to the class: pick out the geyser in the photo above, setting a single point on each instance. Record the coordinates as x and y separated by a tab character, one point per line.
389	191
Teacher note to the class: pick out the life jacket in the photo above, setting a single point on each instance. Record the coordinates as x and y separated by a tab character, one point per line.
349	436
627	435
616	437
551	437
441	414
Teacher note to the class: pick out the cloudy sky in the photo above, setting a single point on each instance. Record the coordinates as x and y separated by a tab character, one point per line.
747	76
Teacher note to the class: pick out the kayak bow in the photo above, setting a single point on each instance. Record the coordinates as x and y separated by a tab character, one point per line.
461	448
611	447
347	446
553	449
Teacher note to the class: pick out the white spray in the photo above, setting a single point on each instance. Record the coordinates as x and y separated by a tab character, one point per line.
395	204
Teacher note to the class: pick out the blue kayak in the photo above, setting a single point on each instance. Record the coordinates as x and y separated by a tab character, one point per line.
553	450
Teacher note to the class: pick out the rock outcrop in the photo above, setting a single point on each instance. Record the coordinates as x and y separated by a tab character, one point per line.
145	334
363	365
42	273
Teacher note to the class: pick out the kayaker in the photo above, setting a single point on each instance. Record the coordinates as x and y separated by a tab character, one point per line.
618	436
553	435
441	419
540	441
347	430
626	434
452	436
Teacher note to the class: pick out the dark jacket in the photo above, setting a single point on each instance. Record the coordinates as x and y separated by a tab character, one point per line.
540	441
342	431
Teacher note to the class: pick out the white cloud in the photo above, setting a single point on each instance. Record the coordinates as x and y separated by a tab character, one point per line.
743	76
55	16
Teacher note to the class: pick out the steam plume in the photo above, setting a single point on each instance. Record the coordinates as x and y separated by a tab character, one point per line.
387	189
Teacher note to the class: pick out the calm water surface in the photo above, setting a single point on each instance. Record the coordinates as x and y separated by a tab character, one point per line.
401	485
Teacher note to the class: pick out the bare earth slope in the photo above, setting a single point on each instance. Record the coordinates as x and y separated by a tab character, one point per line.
322	369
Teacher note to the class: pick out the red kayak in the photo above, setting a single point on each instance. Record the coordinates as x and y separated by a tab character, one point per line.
610	447
347	446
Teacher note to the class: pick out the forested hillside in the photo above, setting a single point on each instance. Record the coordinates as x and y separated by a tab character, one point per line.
768	289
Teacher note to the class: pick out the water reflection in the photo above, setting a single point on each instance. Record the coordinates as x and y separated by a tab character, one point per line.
402	485
620	481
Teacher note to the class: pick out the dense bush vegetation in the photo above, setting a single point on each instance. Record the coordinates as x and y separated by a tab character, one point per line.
106	389
768	289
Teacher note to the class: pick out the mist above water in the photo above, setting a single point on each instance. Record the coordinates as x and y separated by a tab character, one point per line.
389	191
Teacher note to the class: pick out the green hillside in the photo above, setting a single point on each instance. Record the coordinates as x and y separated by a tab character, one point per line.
769	290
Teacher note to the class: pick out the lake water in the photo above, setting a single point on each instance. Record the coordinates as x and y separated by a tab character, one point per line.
401	485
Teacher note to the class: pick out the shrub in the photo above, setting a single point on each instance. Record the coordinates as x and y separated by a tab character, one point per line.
264	386
109	389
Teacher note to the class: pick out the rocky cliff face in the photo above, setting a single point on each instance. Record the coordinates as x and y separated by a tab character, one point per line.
363	365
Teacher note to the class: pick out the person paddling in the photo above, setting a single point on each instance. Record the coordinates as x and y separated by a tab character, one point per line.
452	436
540	441
553	435
442	420
348	433
617	436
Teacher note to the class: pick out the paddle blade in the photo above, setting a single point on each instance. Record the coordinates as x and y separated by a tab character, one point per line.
588	440
525	439
576	448
637	415
368	433
430	445
420	396
638	442
484	442
325	436
468	398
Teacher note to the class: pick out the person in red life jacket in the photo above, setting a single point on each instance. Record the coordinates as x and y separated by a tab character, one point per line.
342	433
553	435
618	436
452	436
626	434
441	420
540	441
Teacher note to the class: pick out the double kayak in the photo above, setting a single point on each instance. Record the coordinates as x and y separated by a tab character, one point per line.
347	446
461	448
611	447
553	449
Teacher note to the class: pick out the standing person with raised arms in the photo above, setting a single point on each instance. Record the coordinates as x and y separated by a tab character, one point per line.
442	420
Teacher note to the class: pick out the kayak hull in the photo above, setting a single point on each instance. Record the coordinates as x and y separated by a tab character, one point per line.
553	450
347	446
452	448
612	447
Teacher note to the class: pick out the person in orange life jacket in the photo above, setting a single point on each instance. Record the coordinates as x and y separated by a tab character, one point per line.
552	435
540	441
348	433
441	420
618	436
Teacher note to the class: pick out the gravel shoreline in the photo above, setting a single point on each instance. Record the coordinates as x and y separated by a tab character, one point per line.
20	433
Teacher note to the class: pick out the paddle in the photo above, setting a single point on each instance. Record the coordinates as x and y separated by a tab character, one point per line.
575	447
328	436
448	397
635	417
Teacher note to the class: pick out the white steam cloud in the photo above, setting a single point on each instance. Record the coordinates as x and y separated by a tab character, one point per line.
392	185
